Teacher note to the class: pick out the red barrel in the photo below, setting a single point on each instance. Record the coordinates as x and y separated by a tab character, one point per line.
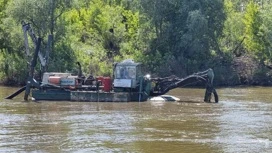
107	84
100	79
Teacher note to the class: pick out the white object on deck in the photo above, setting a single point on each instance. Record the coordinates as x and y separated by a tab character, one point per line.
164	98
47	75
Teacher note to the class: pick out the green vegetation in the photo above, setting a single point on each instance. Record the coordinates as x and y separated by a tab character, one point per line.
169	37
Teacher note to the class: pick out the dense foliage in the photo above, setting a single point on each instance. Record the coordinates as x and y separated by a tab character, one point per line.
234	37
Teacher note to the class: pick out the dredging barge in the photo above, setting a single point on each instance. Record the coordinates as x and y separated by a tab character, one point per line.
127	84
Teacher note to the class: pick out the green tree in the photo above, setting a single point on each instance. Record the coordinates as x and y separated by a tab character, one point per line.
253	22
233	31
102	33
43	15
3	34
45	19
264	35
186	32
11	65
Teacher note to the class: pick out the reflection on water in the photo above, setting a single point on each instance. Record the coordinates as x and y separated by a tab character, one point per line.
240	122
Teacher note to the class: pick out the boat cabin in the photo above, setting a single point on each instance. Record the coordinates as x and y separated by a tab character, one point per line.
127	74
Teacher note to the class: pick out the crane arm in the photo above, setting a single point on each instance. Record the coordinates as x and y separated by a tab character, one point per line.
163	85
29	31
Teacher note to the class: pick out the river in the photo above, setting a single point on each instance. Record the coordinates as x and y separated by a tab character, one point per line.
240	122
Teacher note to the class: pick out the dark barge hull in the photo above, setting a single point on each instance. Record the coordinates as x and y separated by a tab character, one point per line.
87	96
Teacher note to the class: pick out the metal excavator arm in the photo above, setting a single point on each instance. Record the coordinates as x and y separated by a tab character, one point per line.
28	31
163	85
31	82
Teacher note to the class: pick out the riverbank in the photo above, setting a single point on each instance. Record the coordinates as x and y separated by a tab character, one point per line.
242	70
11	83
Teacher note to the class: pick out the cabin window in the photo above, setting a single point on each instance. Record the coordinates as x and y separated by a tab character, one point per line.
125	72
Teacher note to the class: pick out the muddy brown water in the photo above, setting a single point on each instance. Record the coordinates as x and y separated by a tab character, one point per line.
240	122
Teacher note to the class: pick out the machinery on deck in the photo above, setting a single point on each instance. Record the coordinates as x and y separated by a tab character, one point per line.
127	84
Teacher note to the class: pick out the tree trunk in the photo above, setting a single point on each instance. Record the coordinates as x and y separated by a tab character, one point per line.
52	26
